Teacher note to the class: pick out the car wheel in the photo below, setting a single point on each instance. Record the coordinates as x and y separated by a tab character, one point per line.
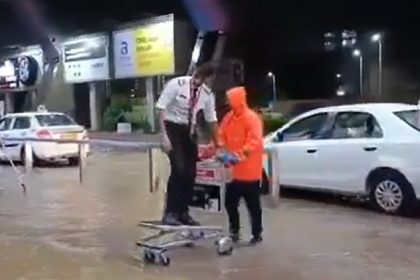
74	161
391	193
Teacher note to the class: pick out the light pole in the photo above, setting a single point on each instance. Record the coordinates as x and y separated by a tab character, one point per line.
357	53
273	80
377	38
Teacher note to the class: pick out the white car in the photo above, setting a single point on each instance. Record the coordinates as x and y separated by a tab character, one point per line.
363	149
42	125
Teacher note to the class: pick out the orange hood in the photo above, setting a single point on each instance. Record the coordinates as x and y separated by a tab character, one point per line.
237	100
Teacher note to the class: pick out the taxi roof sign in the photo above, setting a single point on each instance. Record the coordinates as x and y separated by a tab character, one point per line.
42	108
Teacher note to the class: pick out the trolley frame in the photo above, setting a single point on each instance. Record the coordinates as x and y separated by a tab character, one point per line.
153	250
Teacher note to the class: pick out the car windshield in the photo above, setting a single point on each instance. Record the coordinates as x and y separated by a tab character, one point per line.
411	117
54	120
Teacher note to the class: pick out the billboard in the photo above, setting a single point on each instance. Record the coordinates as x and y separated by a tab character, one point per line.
31	64
21	69
86	59
9	74
146	49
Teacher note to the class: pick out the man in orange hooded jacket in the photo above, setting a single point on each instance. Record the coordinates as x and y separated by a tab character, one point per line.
241	134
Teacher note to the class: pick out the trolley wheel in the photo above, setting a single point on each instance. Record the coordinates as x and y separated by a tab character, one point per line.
190	245
149	256
224	246
164	259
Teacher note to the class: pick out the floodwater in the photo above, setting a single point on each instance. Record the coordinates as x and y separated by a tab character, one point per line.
63	230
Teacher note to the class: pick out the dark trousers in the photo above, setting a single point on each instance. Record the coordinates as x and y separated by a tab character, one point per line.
250	191
183	159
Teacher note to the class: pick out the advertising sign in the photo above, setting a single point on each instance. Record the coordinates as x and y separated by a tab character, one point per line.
86	59
145	50
18	73
9	74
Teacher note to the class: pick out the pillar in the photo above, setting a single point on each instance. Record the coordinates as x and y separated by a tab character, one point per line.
33	100
93	107
196	52
2	108
150	103
8	100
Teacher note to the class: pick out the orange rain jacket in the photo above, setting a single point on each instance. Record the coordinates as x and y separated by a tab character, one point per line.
241	133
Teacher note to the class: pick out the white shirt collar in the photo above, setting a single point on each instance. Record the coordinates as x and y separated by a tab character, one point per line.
206	89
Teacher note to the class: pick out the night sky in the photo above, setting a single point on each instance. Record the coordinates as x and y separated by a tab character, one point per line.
285	37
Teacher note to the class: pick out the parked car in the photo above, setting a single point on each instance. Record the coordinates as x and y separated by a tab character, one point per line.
364	149
42	125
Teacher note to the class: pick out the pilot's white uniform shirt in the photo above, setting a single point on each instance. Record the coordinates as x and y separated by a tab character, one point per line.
175	101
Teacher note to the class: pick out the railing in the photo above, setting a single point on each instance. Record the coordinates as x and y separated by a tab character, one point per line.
142	146
145	147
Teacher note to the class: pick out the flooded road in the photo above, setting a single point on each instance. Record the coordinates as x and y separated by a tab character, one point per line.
63	230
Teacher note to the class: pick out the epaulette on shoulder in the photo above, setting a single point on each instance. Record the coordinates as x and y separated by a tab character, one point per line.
182	81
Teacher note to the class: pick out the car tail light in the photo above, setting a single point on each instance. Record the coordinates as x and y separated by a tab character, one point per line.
44	134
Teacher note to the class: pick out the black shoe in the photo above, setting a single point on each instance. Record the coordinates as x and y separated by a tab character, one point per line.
171	219
187	220
236	237
255	240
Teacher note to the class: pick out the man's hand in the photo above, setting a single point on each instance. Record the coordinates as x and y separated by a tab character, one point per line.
166	144
228	159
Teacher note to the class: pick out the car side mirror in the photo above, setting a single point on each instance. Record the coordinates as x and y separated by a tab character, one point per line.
279	137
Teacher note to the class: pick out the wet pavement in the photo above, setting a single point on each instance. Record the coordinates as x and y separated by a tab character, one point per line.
63	230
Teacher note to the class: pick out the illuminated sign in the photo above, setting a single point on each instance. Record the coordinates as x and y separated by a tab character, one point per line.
9	74
18	72
86	59
145	50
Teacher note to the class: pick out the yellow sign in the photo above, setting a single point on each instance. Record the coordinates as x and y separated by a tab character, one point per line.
154	49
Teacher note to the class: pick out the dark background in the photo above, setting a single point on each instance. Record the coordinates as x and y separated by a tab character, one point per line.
285	37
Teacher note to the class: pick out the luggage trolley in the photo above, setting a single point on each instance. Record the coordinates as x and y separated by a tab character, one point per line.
208	195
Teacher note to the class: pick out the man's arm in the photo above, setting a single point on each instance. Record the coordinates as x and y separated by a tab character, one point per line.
167	96
215	134
211	117
161	116
222	130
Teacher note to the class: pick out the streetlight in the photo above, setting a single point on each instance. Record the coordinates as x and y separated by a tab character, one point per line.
273	79
358	53
377	38
338	75
341	92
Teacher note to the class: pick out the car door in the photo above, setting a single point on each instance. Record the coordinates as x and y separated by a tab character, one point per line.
296	149
351	152
20	129
5	126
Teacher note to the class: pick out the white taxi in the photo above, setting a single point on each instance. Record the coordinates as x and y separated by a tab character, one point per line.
41	125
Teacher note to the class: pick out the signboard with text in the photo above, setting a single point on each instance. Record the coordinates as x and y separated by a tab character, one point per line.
9	74
86	59
145	50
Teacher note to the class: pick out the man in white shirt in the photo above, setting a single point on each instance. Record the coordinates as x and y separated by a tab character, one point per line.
178	105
